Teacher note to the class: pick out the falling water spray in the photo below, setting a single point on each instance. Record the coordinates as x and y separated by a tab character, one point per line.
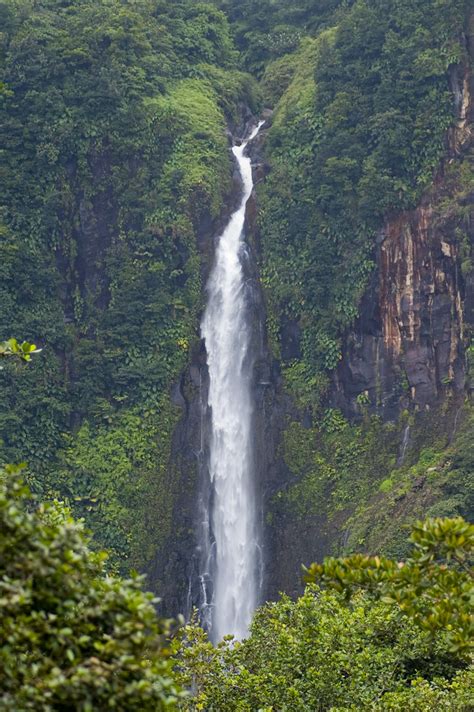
232	542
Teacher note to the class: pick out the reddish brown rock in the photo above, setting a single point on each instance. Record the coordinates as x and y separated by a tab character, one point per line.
408	345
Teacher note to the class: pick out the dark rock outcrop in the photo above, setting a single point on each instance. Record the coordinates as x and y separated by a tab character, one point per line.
407	348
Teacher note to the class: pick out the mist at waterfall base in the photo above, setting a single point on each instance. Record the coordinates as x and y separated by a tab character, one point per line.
230	541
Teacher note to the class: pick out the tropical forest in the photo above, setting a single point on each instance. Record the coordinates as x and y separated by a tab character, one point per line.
236	355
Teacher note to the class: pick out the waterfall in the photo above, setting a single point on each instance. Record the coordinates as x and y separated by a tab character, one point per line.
230	532
404	446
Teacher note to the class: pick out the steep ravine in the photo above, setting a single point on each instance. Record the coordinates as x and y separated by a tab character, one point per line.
176	572
404	358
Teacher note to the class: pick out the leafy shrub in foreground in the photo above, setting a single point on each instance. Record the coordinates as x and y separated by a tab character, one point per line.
345	649
71	637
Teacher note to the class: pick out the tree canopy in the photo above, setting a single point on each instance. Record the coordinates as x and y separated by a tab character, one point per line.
71	636
401	641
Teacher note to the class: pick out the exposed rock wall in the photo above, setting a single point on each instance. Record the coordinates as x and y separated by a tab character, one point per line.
408	346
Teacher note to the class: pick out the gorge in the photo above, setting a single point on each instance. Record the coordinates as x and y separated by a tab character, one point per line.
321	364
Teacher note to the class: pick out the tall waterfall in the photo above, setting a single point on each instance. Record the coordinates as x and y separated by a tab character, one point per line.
232	533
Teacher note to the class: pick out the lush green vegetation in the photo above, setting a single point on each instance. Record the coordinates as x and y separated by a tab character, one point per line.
113	118
113	163
72	637
358	132
269	29
318	653
401	645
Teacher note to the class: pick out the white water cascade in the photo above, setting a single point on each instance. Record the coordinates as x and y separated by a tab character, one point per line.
233	514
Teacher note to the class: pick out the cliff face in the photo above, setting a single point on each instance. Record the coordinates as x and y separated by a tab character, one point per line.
404	359
407	348
176	570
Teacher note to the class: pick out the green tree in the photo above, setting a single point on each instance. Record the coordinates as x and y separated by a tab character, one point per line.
327	651
71	637
434	587
319	653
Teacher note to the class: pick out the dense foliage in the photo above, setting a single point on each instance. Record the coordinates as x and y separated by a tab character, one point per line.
113	119
359	132
324	652
71	637
265	30
434	587
318	654
114	169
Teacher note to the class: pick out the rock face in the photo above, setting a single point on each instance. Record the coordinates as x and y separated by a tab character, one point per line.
408	346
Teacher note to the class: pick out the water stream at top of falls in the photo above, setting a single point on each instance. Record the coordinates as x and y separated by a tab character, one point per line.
231	531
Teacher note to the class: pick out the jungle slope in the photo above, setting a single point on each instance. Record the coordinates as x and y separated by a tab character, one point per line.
114	161
365	235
